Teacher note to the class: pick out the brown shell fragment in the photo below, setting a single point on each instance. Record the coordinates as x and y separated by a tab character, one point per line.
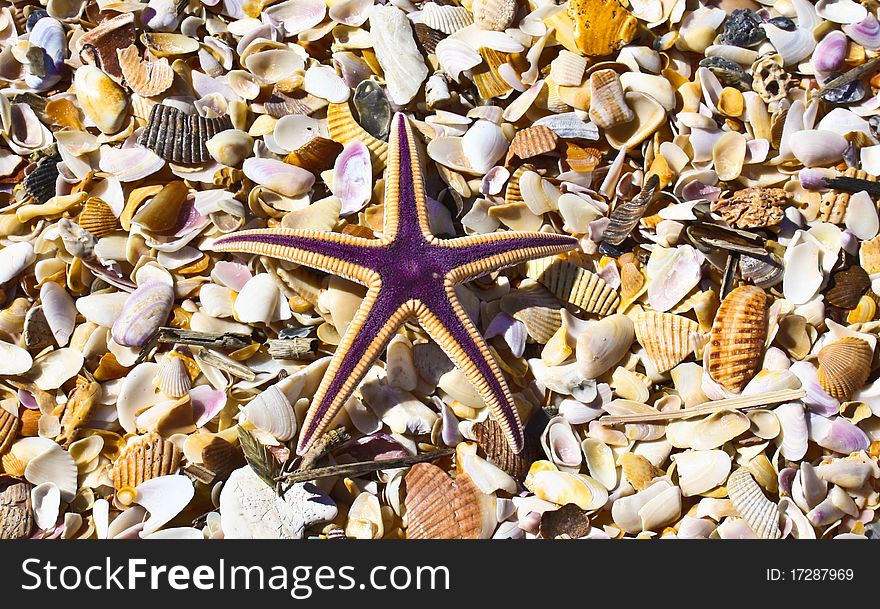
16	514
573	284
491	440
486	77
440	507
428	38
737	339
221	457
99	46
9	427
145	457
844	366
753	207
568	522
665	337
847	287
582	159
833	205
180	137
316	155
601	26
80	406
531	142
146	78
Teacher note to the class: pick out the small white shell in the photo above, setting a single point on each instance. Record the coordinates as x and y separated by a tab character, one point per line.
46	503
271	411
283	178
260	301
14	360
701	470
173	378
604	344
164	498
324	82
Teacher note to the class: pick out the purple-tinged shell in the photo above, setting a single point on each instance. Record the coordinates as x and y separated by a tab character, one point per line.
866	32
849	242
206	403
817	399
837	434
794	440
353	177
449	430
697	190
28	400
512	330
48	34
143	314
494	180
813	179
377	447
830	52
786	479
233	275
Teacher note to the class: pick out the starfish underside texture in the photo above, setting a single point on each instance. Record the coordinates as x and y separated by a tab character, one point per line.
408	272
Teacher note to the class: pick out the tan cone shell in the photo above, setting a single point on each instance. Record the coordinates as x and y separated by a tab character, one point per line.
665	337
573	284
844	366
9	426
146	457
737	339
438	507
761	514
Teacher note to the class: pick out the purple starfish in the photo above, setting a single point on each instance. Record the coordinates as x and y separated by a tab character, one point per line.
408	272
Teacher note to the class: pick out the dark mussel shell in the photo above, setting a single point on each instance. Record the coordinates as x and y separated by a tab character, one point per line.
40	183
180	137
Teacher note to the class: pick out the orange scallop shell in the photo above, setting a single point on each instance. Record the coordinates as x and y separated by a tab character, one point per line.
737	339
146	457
440	507
844	366
665	337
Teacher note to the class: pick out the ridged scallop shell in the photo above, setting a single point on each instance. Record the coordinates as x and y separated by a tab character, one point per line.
146	78
438	507
844	366
446	18
665	337
491	439
173	378
9	426
97	218
344	129
847	287
568	69
486	77
737	339
574	285
537	308
40	183
176	136
533	141
608	107
495	15
144	458
761	514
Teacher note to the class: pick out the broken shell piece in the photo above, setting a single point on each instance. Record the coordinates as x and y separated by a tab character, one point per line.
574	284
143	458
604	344
608	107
761	514
146	78
666	337
271	411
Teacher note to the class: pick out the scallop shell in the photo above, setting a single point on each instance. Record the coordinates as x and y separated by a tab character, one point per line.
495	15
844	366
847	287
343	128
608	106
665	337
173	378
438	507
574	285
40	183
537	308
146	78
9	426
446	18
271	411
97	218
176	136
533	141
143	458
491	439
737	339
761	514
568	69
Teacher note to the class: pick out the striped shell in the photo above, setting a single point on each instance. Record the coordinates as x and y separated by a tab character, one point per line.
438	507
97	218
608	106
146	78
40	183
665	337
344	129
145	457
568	69
574	285
486	77
446	18
537	308
9	426
533	141
847	287
832	207
180	137
844	366
173	378
761	514
491	439
737	338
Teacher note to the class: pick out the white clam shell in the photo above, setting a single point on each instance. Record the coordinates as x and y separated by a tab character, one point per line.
60	311
260	301
793	46
793	440
600	462
626	511
604	345
137	393
456	57
55	368
483	145
273	65
230	147
395	47
283	178
14	360
561	445
701	470
861	216
272	412
803	275
324	82
487	476
164	498
54	465
14	258
353	177
129	164
46	503
102	309
816	147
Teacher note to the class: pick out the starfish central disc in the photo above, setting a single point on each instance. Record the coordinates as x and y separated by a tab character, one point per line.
408	272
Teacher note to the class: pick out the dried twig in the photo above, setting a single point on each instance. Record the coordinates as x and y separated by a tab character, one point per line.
329	442
293	348
363	467
849	76
227	341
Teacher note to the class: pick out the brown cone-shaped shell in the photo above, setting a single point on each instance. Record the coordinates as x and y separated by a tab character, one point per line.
16	513
438	507
665	337
847	287
844	366
146	78
761	514
145	457
573	284
9	426
737	339
97	218
491	439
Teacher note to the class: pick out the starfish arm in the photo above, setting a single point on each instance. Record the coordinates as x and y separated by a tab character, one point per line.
330	252
369	332
451	327
477	255
406	213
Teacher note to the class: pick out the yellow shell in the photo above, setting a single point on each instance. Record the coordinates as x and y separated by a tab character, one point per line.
665	337
731	102
737	339
145	457
163	44
865	310
537	308
486	77
316	155
344	129
844	366
601	26
97	218
574	285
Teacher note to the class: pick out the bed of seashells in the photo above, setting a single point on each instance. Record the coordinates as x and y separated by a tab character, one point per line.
704	366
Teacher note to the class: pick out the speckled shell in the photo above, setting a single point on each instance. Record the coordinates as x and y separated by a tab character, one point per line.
574	285
344	129
737	339
491	439
665	337
9	426
180	137
761	514
97	218
40	183
146	457
438	507
600	26
844	366
16	513
495	15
